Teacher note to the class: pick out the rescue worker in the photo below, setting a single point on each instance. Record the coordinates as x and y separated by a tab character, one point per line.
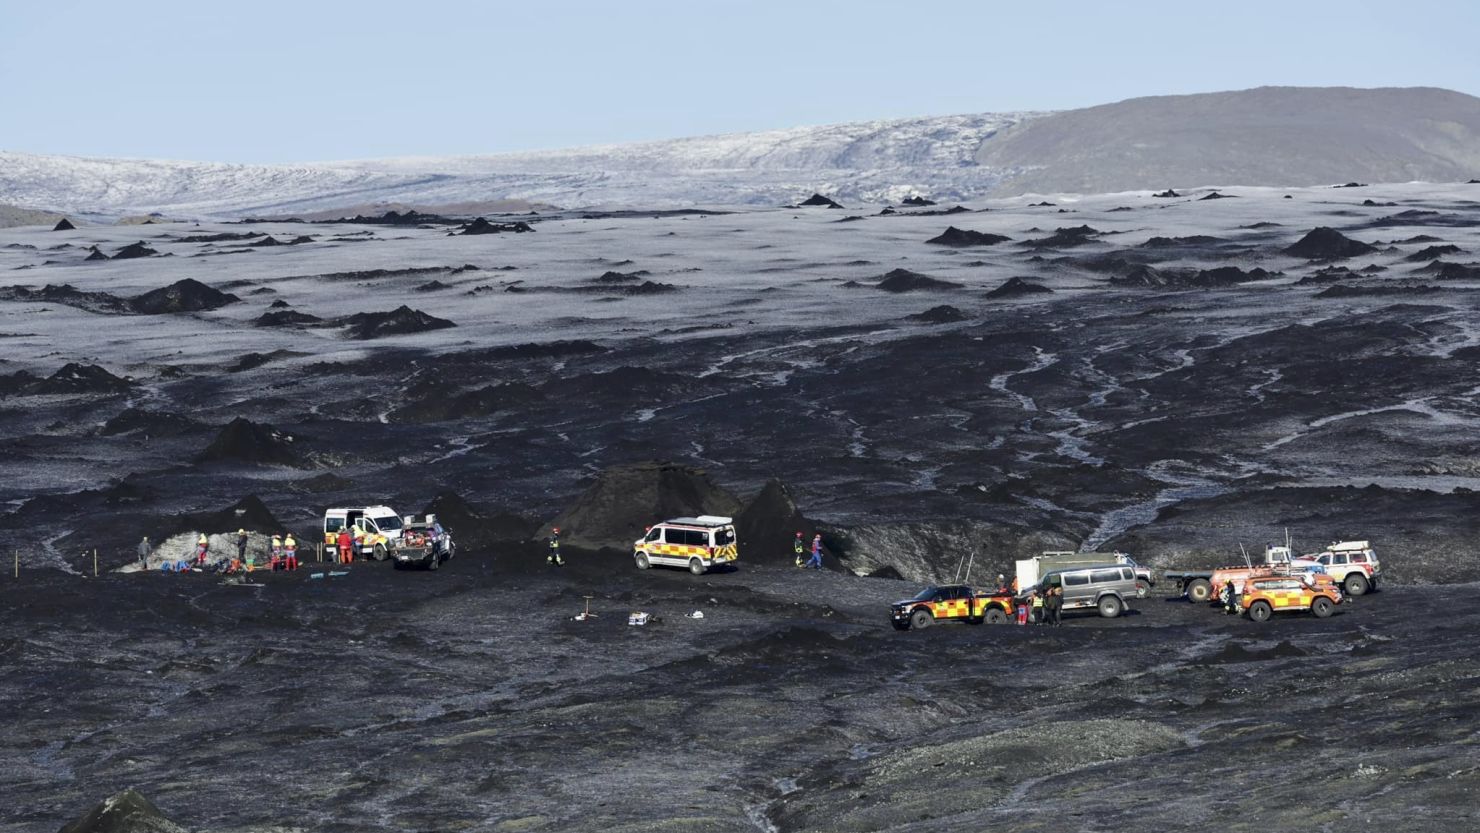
1229	598
144	550
1001	584
800	548
1022	610
290	553
553	557
200	549
276	548
1053	604
359	542
1037	607
345	542
241	547
815	562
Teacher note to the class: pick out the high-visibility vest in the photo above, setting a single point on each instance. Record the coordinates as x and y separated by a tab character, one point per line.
290	543
1038	601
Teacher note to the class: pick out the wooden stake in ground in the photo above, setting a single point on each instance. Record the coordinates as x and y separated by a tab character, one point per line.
95	563
17	563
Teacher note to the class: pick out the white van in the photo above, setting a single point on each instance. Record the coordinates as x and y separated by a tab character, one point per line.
381	524
697	543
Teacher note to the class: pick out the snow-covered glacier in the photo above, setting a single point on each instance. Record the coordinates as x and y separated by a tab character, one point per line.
871	162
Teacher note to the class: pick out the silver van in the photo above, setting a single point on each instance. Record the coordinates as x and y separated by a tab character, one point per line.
1109	587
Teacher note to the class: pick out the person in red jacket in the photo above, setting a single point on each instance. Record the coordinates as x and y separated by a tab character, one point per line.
346	546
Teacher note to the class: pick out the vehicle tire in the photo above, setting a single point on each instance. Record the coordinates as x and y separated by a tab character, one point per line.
1199	590
1260	611
1321	607
378	553
1111	606
1142	589
921	619
642	560
1356	584
996	616
434	563
696	566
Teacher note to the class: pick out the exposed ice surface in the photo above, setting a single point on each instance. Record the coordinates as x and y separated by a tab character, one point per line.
762	305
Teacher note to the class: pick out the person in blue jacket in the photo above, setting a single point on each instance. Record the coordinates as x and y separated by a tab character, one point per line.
815	562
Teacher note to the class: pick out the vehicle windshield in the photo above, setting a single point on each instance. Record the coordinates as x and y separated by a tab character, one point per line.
925	595
388	523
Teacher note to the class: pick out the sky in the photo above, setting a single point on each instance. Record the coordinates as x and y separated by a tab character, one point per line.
273	81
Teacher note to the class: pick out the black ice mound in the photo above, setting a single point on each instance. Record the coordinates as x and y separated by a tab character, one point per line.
94	253
903	280
245	441
286	318
644	288
402	320
151	423
1174	242
1167	194
1433	253
81	378
918	202
819	200
961	238
482	226
1324	243
943	314
188	295
438	405
249	513
64	225
624	498
768	525
1019	288
1149	277
134	250
1064	238
611	276
126	812
476	530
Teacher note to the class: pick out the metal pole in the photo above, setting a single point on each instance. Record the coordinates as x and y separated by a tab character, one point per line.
95	563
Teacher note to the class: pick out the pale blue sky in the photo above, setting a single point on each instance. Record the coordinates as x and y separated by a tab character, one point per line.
271	81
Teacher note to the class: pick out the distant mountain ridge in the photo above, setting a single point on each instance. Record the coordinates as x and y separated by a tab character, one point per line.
1266	136
1278	136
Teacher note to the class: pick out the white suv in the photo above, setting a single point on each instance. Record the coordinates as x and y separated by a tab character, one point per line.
1353	564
